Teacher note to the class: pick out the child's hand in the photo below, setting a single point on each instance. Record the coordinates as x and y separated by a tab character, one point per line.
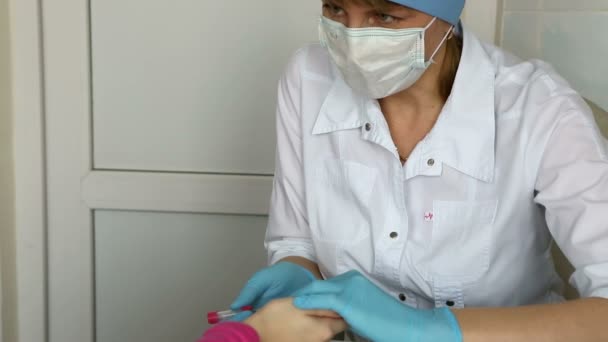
280	321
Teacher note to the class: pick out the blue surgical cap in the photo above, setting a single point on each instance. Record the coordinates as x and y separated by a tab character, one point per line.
448	10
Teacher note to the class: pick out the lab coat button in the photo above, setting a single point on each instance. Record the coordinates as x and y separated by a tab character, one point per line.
402	297
368	126
450	303
394	235
430	162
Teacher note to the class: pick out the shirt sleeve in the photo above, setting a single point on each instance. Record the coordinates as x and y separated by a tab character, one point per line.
288	232
572	186
230	332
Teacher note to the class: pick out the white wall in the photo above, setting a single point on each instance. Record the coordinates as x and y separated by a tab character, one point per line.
481	16
571	35
7	250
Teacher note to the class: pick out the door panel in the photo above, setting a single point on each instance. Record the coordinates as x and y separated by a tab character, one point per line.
190	85
157	274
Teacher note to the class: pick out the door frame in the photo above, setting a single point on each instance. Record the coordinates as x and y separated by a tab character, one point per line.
29	319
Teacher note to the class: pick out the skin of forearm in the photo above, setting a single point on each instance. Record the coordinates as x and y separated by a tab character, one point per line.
309	265
582	320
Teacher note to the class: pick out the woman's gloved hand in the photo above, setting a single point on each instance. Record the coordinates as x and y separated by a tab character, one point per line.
373	314
278	281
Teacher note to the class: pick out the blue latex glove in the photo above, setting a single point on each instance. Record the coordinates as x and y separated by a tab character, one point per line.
375	315
278	281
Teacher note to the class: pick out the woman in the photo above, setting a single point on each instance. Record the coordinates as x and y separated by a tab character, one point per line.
425	174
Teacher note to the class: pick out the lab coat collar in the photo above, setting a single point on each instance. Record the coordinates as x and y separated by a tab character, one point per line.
341	110
464	135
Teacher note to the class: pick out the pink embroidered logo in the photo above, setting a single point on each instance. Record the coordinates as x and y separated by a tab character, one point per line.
428	217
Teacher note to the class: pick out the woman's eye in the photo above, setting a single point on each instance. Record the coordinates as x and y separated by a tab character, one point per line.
334	10
386	19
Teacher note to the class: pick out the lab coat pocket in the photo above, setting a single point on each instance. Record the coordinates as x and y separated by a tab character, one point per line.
461	240
340	201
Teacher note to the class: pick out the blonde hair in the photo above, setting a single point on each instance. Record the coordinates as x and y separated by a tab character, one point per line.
449	69
453	53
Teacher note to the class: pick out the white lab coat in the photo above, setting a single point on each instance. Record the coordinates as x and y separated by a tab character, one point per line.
514	161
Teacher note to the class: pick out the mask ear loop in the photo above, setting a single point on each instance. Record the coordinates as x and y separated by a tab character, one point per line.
430	24
431	61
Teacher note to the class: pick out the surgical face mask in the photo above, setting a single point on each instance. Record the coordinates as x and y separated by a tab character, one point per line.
377	62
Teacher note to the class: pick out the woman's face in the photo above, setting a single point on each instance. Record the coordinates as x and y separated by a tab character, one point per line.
356	14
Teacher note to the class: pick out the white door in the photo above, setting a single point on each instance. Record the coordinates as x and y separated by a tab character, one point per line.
159	152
